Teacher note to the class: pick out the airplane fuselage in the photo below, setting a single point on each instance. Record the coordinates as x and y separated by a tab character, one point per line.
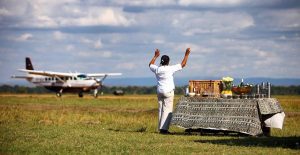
69	84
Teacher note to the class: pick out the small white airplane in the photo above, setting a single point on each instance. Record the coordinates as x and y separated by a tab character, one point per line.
65	82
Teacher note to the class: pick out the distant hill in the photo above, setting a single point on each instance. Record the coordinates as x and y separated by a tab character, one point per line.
179	81
151	81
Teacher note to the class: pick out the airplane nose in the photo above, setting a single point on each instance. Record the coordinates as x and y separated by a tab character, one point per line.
97	82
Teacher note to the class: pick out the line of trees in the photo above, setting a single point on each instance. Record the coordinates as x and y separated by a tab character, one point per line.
22	89
285	90
276	90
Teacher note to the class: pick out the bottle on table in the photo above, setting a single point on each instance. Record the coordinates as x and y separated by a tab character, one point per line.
242	83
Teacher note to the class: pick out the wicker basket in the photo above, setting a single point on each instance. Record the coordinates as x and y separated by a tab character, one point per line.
206	88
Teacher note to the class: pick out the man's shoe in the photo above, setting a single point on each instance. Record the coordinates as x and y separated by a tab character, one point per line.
164	132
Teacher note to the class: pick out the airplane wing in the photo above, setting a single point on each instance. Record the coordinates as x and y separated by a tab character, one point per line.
21	77
60	74
103	74
48	73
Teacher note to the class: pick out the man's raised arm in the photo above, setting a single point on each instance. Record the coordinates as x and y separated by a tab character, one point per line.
186	56
156	55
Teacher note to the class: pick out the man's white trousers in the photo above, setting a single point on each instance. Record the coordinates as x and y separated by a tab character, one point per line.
165	109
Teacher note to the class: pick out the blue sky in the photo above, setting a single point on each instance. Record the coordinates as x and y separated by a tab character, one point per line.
238	38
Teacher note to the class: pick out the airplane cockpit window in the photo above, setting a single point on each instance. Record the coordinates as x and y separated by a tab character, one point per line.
82	76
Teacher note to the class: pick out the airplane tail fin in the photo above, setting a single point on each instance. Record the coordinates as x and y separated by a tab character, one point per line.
29	64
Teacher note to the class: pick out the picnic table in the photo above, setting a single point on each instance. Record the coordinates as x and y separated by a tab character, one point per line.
249	116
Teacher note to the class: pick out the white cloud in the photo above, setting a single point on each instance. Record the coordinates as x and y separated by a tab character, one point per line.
41	21
211	2
126	66
86	40
93	54
154	18
4	12
24	37
58	35
243	58
228	3
159	41
97	16
204	3
69	47
288	19
13	8
268	61
195	49
116	38
63	13
107	54
145	3
193	23
98	44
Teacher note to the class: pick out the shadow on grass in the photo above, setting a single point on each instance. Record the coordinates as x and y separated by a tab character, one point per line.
284	142
208	132
141	129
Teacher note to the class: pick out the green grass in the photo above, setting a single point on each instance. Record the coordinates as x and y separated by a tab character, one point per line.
39	124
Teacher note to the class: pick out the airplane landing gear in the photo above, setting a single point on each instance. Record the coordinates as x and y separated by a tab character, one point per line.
80	94
96	93
58	94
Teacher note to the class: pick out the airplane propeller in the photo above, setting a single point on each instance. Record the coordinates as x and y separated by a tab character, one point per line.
99	87
98	81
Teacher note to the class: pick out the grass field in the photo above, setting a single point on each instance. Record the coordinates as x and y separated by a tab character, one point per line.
39	124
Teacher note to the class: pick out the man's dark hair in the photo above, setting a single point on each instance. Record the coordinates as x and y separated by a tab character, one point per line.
164	60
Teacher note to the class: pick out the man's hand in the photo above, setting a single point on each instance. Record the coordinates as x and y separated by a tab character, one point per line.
157	53
188	51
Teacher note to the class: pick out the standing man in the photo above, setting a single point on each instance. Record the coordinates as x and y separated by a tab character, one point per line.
165	87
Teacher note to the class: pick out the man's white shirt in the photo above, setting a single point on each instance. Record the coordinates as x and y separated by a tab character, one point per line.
164	76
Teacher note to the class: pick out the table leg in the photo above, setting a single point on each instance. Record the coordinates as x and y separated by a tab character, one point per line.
266	130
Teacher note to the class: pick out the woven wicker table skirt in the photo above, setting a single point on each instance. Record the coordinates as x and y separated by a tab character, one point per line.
239	115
